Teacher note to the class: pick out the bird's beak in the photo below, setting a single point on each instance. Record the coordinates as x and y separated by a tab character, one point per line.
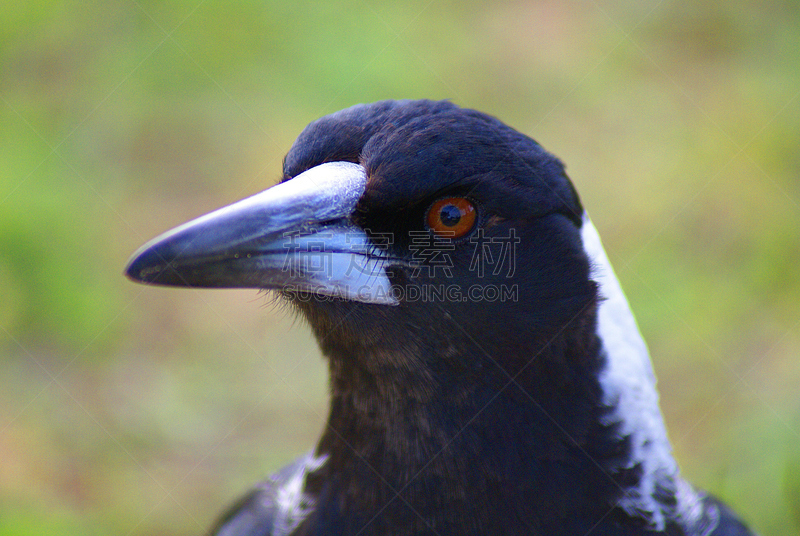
296	236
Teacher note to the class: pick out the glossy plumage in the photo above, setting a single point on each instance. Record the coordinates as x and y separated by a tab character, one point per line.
492	383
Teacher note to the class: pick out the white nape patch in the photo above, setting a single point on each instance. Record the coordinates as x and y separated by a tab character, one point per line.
293	504
629	387
695	518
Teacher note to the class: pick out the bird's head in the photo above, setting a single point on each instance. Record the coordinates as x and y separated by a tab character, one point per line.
395	216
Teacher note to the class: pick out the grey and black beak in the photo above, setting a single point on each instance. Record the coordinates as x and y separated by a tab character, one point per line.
296	236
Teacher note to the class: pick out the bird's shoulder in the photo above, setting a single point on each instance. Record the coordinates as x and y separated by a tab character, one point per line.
274	507
729	524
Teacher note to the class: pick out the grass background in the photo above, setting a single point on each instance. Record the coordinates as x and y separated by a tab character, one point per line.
134	410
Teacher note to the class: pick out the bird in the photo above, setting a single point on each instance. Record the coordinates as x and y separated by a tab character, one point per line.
487	376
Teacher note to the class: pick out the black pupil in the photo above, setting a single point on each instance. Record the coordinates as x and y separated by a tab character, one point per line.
450	215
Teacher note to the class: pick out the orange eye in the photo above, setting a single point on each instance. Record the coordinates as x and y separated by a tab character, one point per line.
451	217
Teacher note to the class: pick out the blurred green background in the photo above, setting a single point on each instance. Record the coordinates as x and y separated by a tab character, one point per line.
134	410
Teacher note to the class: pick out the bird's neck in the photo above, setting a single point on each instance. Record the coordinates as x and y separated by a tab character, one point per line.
445	452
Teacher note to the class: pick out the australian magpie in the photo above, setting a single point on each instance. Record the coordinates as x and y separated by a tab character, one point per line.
487	376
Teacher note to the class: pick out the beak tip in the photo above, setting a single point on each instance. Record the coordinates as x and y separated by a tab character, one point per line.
133	269
131	274
145	266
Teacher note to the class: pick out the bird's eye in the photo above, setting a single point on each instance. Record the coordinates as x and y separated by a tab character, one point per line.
451	217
